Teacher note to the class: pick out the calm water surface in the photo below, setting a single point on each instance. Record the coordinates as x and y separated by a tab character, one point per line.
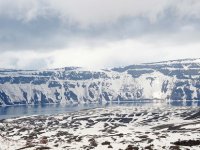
26	110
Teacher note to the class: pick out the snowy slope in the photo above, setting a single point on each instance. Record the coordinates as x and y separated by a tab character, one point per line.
127	128
176	80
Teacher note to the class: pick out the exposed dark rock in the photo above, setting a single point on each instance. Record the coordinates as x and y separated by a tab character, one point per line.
187	143
131	147
174	148
93	142
42	148
106	143
44	140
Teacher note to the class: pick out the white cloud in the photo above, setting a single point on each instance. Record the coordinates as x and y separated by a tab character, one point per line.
119	53
96	33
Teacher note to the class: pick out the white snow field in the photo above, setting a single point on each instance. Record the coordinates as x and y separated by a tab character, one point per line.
118	128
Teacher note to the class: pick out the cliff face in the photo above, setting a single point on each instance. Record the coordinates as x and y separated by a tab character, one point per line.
176	80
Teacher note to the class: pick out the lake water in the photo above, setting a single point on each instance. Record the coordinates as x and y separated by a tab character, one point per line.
26	110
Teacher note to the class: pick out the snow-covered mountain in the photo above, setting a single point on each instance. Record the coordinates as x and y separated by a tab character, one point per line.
175	80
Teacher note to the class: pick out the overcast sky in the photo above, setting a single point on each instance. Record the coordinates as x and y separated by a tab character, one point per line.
37	34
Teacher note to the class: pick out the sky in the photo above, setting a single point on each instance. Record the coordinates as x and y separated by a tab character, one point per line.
40	34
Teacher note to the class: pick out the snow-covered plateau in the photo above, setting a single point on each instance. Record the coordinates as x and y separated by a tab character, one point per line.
174	80
118	128
155	127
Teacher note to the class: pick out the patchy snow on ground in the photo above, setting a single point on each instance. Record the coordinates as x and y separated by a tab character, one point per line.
122	127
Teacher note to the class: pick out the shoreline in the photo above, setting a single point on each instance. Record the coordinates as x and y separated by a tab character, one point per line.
105	128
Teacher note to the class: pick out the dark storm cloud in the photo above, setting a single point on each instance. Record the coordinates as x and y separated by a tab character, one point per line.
46	33
42	33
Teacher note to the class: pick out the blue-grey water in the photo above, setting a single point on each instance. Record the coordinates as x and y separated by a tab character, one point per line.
27	110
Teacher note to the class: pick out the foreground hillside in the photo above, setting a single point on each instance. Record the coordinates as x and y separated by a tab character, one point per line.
176	80
124	128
